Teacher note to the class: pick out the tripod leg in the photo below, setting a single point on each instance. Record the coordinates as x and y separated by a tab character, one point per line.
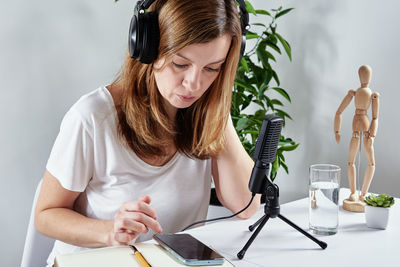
322	244
253	226
241	253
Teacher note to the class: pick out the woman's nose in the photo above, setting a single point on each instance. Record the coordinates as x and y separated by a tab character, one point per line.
192	80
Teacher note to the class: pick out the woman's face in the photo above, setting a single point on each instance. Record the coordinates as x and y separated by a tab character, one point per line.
190	72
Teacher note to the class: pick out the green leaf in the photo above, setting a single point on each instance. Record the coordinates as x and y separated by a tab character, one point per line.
289	148
272	38
368	201
280	155
259	24
251	132
273	46
276	102
275	10
259	115
251	150
285	45
275	164
267	76
270	56
285	167
250	8
243	123
260	103
244	64
263	57
262	12
245	85
269	103
283	12
272	174
262	90
276	78
282	113
251	35
247	101
282	92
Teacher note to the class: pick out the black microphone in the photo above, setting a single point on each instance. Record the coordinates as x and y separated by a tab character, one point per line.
265	152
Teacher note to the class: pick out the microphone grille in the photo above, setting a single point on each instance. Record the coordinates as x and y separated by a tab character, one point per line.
268	139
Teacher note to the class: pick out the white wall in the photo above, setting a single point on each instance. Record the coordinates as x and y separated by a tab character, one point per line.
330	40
52	52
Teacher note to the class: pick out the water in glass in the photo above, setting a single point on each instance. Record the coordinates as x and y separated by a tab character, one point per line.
323	207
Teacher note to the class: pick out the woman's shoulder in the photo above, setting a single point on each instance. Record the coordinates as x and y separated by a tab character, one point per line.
97	104
93	108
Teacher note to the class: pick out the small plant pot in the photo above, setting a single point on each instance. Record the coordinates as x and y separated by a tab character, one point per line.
376	217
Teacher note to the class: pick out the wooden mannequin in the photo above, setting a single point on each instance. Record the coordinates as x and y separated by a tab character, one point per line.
363	99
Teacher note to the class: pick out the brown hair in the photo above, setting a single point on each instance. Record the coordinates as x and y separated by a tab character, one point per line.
198	129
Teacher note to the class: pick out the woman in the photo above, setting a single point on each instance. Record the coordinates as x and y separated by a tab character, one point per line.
136	157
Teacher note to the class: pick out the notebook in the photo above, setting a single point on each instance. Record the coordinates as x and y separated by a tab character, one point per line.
121	256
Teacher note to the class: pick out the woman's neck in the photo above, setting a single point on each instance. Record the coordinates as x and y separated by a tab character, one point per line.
116	93
171	110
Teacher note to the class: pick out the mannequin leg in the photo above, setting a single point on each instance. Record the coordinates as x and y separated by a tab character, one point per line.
351	168
369	172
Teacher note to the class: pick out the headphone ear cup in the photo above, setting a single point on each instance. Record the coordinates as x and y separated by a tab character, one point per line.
242	47
150	39
133	37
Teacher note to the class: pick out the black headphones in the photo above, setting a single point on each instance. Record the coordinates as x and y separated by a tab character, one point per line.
144	33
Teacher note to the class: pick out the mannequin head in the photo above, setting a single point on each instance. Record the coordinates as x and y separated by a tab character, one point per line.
365	75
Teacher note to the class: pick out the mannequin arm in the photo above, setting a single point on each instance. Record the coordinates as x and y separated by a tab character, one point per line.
375	113
338	117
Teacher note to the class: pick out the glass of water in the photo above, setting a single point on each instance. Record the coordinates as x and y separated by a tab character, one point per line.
324	199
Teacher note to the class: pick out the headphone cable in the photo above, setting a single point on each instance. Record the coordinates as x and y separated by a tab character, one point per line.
221	218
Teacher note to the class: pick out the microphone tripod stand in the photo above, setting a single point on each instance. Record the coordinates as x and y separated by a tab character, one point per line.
272	210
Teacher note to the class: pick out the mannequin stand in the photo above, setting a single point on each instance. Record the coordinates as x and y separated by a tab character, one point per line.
354	206
272	210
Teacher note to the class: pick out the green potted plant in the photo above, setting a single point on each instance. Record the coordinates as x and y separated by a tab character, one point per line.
377	210
257	84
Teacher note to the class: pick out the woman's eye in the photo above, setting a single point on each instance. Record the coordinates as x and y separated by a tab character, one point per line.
212	69
179	66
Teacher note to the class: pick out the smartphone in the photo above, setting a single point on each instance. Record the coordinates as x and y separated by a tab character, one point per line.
188	250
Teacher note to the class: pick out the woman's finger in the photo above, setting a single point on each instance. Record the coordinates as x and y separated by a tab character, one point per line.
139	206
137	222
125	237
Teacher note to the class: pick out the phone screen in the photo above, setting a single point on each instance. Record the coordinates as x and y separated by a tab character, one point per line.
188	249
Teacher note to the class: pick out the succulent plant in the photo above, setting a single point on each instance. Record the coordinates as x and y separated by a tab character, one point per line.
382	200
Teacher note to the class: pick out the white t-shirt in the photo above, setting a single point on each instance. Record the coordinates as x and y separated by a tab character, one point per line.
88	157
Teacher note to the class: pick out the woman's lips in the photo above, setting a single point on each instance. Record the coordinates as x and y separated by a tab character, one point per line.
186	98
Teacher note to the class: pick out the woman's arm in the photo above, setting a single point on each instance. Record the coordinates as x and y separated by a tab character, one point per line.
55	217
231	171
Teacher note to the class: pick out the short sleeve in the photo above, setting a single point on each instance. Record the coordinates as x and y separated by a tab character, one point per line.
71	158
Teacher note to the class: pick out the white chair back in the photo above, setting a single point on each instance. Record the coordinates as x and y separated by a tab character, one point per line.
37	246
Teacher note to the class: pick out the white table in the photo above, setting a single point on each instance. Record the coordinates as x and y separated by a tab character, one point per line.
278	244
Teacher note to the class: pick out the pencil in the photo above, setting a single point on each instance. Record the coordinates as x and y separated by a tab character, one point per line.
139	257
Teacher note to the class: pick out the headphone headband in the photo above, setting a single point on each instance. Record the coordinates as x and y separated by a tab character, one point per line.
244	15
141	29
144	4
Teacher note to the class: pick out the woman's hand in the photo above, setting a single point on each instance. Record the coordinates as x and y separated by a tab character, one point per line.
133	219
